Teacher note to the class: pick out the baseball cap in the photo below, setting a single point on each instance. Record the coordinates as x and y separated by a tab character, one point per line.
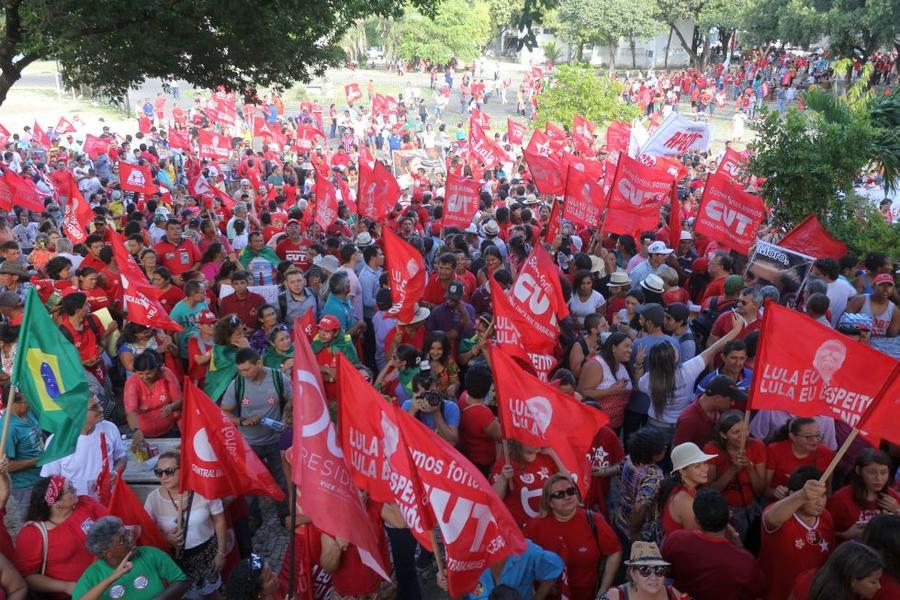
455	290
723	385
206	317
658	248
292	222
734	284
678	311
653	312
329	323
883	278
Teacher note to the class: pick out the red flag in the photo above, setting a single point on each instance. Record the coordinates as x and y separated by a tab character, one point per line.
77	213
487	151
583	127
136	179
591	168
24	192
215	460
352	92
676	170
377	191
326	202
406	269
674	218
318	465
536	413
810	237
126	505
379	105
554	222
880	422
308	323
199	186
538	298
213	145
584	200
226	112
728	214
346	197
555	133
513	333
734	164
6	195
95	146
808	369
617	136
637	185
461	197
179	139
64	126
543	144
515	132
4	134
546	172
481	118
40	136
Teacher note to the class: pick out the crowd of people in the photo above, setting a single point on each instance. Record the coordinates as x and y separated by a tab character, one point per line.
689	496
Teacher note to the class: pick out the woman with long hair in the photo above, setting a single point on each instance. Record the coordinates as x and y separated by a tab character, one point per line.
266	321
606	377
883	535
690	470
443	366
588	344
520	481
171	293
738	470
852	572
279	353
868	495
585	299
148	262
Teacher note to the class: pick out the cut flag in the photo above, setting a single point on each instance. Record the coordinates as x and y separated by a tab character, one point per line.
406	275
137	179
77	213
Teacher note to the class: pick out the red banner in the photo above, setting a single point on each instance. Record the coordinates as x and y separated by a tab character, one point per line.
24	192
734	164
179	139
216	462
461	196
127	506
546	173
537	297
514	334
213	146
480	117
556	134
543	144
95	146
377	192
591	168
584	200
326	202
515	132
39	136
487	151
881	420
406	270
351	90
808	369
728	214
637	185
811	238
64	126
134	178
226	111
77	213
617	136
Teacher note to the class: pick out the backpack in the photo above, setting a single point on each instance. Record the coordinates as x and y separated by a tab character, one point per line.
239	384
703	324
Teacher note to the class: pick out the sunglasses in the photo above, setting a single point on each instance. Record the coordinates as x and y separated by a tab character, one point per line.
563	493
167	472
659	571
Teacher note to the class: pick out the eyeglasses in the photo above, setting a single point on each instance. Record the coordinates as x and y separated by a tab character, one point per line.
167	472
563	493
646	571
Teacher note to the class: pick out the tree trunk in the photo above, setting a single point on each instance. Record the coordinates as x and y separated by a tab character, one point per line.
579	53
613	44
668	45
633	52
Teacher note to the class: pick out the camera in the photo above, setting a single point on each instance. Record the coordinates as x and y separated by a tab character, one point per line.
432	398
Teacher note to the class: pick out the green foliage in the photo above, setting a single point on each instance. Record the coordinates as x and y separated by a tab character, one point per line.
606	21
578	89
552	51
459	29
504	13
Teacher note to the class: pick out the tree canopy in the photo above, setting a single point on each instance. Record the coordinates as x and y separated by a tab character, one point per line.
459	29
579	89
605	22
111	45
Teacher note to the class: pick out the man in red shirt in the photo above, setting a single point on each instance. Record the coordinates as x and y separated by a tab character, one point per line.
293	246
697	422
84	331
242	302
720	267
176	253
747	306
440	280
94	244
705	564
797	533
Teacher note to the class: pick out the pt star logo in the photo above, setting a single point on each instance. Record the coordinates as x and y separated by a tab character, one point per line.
544	473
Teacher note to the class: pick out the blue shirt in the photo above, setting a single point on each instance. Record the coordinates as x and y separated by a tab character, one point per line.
521	572
25	441
450	410
743	382
342	309
368	281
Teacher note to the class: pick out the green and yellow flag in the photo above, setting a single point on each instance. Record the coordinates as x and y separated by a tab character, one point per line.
222	369
49	374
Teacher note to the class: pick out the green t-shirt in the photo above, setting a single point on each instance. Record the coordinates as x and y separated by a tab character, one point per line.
25	441
150	568
186	316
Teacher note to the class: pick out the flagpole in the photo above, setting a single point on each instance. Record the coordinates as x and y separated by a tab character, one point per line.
293	565
746	429
839	455
6	419
438	559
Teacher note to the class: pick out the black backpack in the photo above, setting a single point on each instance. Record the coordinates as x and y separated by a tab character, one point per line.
703	324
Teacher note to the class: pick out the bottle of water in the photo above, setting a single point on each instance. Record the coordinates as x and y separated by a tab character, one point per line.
272	424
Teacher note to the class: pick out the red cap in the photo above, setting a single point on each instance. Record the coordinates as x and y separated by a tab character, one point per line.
295	221
700	265
436	228
206	317
883	278
329	323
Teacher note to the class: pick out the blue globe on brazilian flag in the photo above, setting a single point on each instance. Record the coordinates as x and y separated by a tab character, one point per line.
49	374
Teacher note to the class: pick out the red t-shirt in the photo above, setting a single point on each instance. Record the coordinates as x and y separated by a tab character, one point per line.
180	258
434	290
475	444
716	287
781	458
739	492
694	425
708	567
172	296
296	252
245	309
67	555
574	541
85	341
523	496
845	511
98	298
669	524
724	324
147	402
792	549
606	450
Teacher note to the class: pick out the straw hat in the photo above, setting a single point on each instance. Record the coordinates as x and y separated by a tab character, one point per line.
645	554
421	314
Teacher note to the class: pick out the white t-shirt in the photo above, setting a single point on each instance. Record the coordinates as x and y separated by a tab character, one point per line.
200	524
685	377
581	309
839	292
609	379
82	467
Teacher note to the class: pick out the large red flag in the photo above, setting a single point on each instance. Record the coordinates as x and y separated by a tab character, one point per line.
461	197
216	462
617	136
126	505
40	136
226	111
487	151
556	134
584	199
734	164
377	191
136	179
64	126
536	413
881	420
546	173
24	193
543	144
179	139
810	237
140	299
808	369
728	214
199	186
95	146
318	465
481	118
538	298
583	134
77	213
515	132
637	185
406	274
554	222
591	168
513	333
326	202
351	90
6	195
213	145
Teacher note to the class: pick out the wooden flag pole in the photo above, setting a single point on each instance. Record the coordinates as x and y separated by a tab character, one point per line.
746	429
839	455
438	559
6	419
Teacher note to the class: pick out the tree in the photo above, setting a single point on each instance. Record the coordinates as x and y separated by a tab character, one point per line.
605	22
112	45
459	29
578	89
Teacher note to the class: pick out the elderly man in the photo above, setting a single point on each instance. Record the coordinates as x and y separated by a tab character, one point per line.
338	304
125	570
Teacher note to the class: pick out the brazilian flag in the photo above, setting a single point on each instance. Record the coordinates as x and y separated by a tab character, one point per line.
49	374
222	369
